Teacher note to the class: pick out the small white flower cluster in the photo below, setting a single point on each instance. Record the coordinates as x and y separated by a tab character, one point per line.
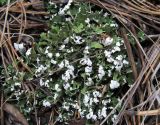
90	99
18	93
78	39
114	84
66	106
51	2
90	115
42	83
28	52
46	103
57	87
119	61
86	61
101	72
88	22
40	69
63	64
69	73
102	113
89	82
49	54
107	41
66	86
67	6
19	46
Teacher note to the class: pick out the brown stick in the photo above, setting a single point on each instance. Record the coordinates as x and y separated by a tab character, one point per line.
130	53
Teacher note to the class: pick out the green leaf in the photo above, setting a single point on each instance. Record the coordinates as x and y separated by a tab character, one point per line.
98	30
141	35
43	35
96	45
79	28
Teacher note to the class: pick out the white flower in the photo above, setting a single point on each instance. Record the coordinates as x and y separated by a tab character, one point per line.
119	67
87	20
88	70
55	96
77	106
19	47
104	102
78	39
86	50
61	65
46	103
57	55
70	50
66	40
86	61
107	53
56	87
70	68
94	117
41	68
106	14
66	106
51	3
108	41
61	47
104	112
96	94
99	114
109	73
113	25
53	61
86	99
46	83
66	63
46	51
114	118
28	52
101	72
68	74
91	101
114	84
117	48
118	44
119	57
37	60
116	62
95	100
89	82
110	59
49	55
125	62
12	88
67	6
41	82
17	84
90	114
68	19
66	86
